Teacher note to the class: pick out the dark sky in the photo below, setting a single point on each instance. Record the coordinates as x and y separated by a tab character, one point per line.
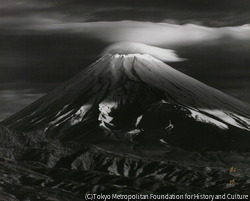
44	43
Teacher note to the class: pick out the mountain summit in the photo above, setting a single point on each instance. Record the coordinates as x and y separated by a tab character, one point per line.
138	98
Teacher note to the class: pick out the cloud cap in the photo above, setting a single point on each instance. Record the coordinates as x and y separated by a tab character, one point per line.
165	55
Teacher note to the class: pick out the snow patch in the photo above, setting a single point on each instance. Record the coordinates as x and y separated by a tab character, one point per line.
60	117
232	119
78	116
61	110
206	119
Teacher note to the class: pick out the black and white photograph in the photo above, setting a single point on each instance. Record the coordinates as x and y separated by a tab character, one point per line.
124	100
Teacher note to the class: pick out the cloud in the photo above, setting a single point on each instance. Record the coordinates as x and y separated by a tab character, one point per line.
24	4
156	34
165	55
212	14
11	101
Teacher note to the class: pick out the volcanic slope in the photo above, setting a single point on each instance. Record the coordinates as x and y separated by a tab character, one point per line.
140	126
115	96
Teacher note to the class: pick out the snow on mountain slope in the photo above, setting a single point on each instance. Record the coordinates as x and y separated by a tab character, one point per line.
117	88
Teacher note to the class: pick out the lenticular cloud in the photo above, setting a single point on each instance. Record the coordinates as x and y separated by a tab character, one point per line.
165	55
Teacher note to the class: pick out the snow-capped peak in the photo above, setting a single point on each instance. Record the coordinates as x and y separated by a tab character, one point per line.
128	81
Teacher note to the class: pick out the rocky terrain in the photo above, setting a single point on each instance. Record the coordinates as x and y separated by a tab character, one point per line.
34	168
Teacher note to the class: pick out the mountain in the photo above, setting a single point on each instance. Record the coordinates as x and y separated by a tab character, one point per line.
138	99
128	124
